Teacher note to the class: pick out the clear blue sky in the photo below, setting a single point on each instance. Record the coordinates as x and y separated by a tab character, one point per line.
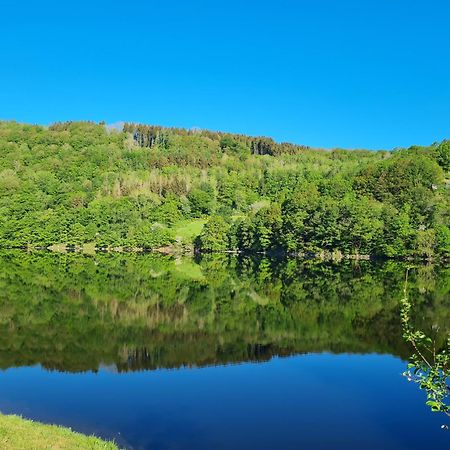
348	73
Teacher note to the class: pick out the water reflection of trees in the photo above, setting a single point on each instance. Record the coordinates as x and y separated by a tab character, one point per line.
73	312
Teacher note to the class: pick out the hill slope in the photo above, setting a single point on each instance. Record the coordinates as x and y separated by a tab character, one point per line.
78	182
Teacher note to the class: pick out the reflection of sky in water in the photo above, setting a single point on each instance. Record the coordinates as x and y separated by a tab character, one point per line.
317	401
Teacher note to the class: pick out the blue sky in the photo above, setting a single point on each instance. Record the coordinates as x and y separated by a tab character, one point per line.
348	73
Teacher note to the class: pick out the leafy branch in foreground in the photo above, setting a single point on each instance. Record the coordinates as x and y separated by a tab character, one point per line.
429	367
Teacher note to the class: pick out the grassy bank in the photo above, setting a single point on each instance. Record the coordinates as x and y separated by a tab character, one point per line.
21	434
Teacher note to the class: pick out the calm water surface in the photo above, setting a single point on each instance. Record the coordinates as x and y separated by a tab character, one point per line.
218	353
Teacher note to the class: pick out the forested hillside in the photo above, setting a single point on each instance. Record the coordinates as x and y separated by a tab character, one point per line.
81	183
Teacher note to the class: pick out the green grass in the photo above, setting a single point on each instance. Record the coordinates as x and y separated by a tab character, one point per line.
188	230
21	434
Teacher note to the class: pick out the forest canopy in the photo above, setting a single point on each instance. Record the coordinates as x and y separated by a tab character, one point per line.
78	183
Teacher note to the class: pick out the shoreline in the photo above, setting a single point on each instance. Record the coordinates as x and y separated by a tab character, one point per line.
337	255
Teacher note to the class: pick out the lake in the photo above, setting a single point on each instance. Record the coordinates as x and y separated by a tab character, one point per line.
219	352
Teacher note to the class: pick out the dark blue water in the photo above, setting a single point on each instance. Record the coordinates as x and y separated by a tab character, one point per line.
317	401
161	354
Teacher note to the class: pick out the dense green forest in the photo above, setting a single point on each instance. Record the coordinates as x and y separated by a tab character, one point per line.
75	312
82	183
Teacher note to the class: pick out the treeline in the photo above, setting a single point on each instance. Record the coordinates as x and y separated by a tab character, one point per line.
78	183
150	135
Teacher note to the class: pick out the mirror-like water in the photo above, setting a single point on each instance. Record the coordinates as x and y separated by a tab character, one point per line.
218	353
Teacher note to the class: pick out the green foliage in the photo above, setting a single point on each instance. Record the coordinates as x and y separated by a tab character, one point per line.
228	143
77	183
147	235
214	236
443	155
429	365
201	201
401	178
